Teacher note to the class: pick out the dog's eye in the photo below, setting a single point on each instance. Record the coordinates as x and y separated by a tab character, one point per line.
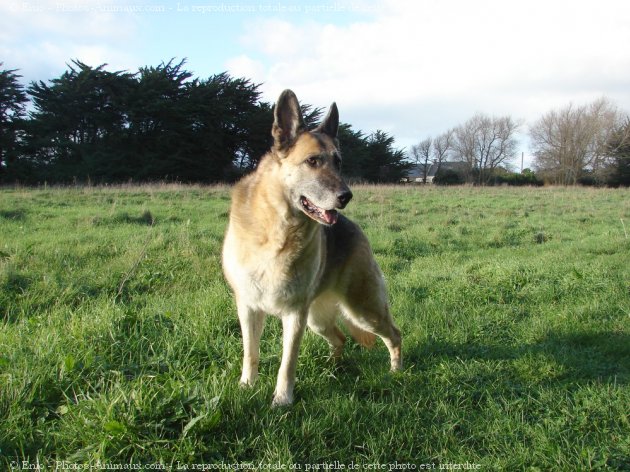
312	161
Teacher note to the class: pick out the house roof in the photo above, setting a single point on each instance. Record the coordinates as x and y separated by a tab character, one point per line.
416	171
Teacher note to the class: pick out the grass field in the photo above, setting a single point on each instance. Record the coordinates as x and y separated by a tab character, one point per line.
119	342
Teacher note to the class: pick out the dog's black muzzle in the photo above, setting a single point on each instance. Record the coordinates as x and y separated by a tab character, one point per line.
343	198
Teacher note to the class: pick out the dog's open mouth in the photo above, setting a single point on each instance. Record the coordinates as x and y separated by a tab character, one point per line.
327	217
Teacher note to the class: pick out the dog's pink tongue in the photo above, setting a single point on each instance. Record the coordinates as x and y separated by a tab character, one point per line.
331	216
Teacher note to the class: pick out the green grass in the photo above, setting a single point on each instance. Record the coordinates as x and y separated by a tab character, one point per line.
119	341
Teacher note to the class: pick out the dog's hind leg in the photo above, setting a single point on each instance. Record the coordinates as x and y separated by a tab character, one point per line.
322	317
378	321
390	335
369	310
252	323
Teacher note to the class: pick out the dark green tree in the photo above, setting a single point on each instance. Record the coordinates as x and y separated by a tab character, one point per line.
227	117
257	139
78	121
158	124
190	130
13	101
383	162
161	123
354	151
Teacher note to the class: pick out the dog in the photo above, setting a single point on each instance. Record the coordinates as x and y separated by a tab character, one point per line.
289	252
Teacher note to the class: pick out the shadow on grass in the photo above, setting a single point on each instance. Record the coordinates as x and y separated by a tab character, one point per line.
17	214
585	355
12	287
146	218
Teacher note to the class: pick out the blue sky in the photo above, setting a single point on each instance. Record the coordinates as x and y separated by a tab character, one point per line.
413	68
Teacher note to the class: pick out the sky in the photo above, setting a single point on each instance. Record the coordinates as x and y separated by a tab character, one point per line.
413	68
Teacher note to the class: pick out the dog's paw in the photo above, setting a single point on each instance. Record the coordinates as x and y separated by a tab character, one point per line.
247	382
281	401
336	353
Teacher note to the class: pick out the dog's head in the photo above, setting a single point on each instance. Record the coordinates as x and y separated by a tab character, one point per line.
310	160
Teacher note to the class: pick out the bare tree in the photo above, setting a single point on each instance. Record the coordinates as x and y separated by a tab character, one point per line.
464	144
442	145
421	153
574	139
485	143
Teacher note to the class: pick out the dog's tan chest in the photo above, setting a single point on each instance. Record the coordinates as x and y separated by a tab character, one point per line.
276	276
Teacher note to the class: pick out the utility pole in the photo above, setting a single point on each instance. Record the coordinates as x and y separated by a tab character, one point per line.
522	158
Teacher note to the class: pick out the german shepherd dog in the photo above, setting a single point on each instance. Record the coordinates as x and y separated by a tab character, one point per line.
288	252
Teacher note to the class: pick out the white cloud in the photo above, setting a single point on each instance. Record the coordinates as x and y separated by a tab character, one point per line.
245	66
418	67
40	36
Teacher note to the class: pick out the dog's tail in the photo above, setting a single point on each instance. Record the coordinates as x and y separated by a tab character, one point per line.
363	337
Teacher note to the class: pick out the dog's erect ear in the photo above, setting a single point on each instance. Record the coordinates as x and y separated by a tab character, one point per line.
330	125
287	120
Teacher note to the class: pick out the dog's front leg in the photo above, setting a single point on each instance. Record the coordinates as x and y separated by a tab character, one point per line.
252	323
293	326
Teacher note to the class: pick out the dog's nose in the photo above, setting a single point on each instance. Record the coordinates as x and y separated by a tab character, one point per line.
343	198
